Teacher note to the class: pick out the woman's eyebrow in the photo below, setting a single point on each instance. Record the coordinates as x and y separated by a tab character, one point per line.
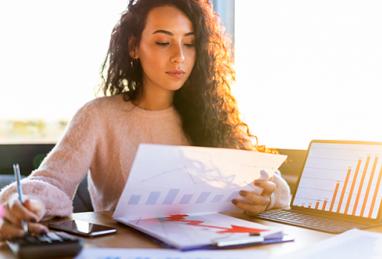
172	34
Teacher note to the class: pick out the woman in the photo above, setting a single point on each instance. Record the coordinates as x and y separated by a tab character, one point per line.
167	74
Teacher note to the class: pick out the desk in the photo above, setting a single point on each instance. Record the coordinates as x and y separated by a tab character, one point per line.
127	237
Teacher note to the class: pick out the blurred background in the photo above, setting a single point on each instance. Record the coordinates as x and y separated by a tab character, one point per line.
305	69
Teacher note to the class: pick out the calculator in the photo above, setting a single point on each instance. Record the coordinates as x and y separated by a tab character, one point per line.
53	244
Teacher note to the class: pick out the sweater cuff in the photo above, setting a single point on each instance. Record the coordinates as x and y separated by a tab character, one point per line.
56	202
281	197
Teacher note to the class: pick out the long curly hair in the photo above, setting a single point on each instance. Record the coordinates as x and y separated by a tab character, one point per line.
208	110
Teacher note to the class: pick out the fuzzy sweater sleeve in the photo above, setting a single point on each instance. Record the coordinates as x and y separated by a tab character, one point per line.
56	180
281	197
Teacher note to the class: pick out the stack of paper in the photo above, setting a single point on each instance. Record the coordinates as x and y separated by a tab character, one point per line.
190	232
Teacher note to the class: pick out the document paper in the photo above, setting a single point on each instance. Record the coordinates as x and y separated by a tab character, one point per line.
352	244
166	180
111	253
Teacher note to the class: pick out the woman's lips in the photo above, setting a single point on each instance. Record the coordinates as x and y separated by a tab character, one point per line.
176	73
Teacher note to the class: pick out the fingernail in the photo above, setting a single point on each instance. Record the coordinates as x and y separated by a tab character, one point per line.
264	174
243	193
43	230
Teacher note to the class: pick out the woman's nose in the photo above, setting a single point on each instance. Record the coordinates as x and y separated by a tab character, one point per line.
178	55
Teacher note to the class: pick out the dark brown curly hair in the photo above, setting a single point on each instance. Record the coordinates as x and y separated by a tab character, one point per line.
208	111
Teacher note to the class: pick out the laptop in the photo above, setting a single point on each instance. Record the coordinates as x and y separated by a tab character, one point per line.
340	188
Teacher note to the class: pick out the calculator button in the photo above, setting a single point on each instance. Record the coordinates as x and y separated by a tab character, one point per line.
44	238
65	236
54	236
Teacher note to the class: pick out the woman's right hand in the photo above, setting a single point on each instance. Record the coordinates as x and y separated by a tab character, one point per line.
31	211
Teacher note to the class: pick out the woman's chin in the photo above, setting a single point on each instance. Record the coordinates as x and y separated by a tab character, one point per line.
174	87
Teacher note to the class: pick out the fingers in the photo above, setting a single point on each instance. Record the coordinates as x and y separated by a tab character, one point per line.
253	203
36	228
9	230
252	198
15	212
267	186
249	208
35	206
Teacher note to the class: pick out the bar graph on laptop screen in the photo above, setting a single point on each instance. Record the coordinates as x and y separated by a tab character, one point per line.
342	178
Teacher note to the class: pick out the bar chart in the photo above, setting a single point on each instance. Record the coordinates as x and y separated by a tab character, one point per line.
343	180
176	196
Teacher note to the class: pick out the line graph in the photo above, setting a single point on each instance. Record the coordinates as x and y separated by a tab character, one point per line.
197	175
221	230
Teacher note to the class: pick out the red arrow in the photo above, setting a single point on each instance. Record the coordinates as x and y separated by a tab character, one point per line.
199	223
239	229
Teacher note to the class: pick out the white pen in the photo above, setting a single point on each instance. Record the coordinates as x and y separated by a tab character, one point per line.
237	241
16	171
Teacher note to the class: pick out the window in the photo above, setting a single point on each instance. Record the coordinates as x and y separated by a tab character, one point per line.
309	69
51	55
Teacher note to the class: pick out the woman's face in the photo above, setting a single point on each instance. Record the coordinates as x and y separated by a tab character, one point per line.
166	50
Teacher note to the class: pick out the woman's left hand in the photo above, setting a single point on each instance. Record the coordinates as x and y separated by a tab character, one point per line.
253	202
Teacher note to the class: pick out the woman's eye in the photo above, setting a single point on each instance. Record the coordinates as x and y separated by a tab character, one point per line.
189	45
162	43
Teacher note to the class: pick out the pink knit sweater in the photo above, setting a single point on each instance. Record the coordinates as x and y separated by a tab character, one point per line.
102	138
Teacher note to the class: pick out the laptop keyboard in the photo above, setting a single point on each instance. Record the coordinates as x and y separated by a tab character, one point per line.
309	221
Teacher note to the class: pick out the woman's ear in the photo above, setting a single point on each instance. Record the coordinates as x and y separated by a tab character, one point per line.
133	49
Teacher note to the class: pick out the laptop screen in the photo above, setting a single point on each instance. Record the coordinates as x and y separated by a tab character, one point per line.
342	177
